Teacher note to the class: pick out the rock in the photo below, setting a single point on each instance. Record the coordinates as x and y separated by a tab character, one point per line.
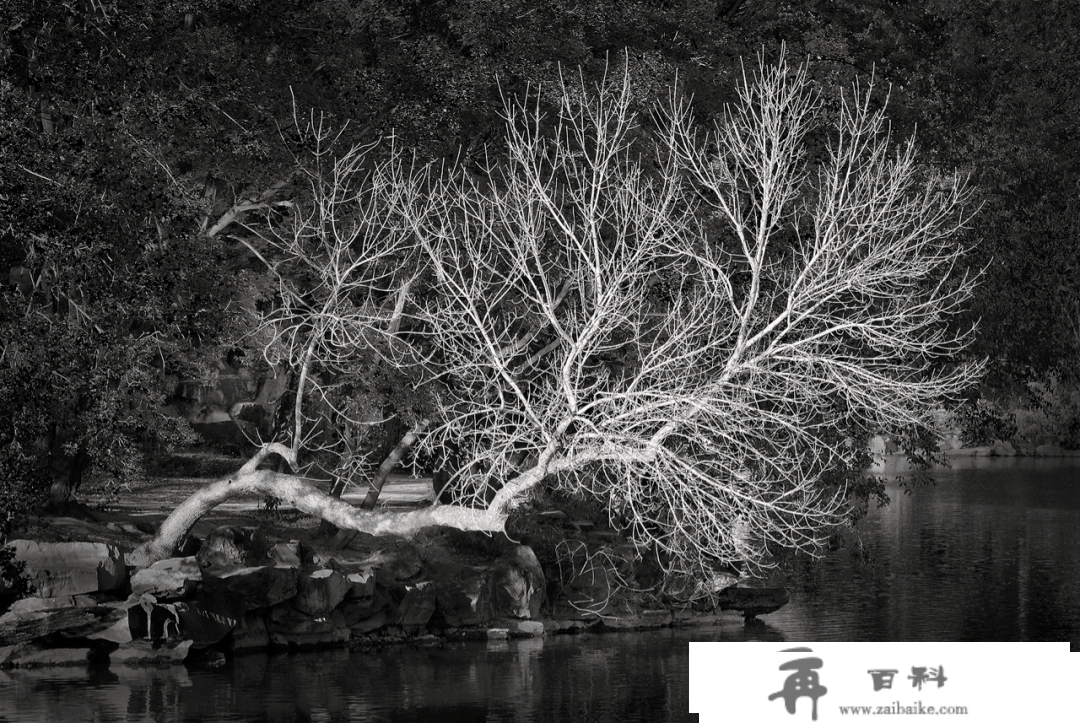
287	626
358	609
681	616
681	590
208	620
753	601
369	625
706	619
555	627
18	628
119	631
251	417
289	554
52	657
258	587
526	628
397	565
250	633
361	584
464	601
509	591
878	445
1049	450
517	584
229	547
174	578
8	653
416	608
498	633
320	591
204	622
29	605
109	616
71	568
141	652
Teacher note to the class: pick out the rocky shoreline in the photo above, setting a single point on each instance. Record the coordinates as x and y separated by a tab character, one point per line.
238	592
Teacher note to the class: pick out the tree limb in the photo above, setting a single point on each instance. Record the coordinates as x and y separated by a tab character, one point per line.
306	497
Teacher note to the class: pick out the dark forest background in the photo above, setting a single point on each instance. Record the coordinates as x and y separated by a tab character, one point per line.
138	138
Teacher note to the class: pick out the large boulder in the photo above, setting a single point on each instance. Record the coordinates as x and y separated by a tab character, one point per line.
207	620
361	584
28	621
369	625
399	565
250	633
257	587
174	578
203	622
319	591
463	601
239	562
526	629
77	618
517	584
59	569
366	612
289	554
416	608
228	547
235	405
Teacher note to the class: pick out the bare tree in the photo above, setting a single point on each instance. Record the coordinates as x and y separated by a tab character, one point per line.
677	334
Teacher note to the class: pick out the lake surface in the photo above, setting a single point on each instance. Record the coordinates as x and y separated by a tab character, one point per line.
991	552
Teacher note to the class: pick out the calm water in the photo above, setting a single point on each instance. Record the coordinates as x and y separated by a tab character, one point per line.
992	552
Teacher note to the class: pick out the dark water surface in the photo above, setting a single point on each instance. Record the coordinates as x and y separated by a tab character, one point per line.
991	552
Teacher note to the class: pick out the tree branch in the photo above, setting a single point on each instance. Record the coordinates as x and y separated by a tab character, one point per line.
306	497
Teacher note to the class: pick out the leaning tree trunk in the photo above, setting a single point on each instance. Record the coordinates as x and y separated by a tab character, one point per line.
391	462
344	537
308	498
